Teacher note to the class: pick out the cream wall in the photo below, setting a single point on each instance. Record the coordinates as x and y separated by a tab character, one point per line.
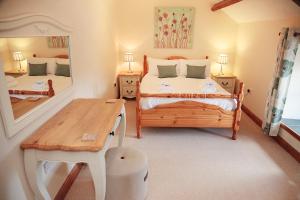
5	56
94	65
214	32
256	57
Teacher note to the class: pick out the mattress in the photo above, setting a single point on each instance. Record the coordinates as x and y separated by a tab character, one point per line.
153	85
26	82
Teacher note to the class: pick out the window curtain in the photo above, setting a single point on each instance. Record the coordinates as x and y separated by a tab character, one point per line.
286	53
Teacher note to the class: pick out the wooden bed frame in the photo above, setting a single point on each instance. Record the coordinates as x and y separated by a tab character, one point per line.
188	113
22	106
50	92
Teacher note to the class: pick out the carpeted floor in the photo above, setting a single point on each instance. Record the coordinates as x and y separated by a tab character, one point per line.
196	164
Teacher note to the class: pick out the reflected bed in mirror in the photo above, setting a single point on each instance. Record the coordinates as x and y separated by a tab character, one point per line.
36	69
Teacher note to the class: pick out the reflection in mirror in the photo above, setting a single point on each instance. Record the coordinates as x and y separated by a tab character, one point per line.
36	69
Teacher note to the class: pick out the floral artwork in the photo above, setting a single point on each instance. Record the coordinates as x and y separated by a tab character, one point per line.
58	42
173	27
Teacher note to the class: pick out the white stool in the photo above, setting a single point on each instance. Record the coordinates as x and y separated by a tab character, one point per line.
126	174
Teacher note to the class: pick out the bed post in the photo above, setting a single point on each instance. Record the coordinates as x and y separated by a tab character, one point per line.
51	92
238	111
146	68
138	110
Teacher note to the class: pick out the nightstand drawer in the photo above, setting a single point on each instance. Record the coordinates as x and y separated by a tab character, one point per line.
129	91
127	83
129	80
229	89
226	83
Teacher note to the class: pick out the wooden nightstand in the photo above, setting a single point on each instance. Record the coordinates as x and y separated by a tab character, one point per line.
127	83
227	81
14	73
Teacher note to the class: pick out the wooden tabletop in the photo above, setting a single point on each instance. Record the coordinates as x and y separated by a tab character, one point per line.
224	76
65	130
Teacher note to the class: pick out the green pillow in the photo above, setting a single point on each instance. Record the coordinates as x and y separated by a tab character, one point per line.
37	69
166	71
195	71
62	70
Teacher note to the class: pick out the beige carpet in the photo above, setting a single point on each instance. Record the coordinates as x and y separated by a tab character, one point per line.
194	164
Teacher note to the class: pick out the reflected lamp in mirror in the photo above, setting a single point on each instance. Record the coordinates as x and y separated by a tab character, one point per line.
222	60
128	57
18	56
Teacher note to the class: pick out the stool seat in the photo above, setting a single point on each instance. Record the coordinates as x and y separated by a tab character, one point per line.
126	174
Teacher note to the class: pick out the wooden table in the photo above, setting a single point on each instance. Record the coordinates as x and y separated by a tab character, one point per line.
80	132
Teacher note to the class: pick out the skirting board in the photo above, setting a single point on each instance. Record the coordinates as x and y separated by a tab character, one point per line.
66	186
291	150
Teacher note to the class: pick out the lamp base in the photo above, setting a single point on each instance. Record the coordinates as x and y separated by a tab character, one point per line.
221	73
20	67
129	69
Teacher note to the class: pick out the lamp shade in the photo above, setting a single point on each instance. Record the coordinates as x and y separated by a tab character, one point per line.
128	57
223	59
18	56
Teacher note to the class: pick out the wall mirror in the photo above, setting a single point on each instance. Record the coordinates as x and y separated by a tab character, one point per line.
35	69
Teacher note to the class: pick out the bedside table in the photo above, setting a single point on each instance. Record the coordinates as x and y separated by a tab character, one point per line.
227	81
14	73
127	83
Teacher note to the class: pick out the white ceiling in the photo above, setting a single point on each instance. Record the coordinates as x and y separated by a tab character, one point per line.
261	10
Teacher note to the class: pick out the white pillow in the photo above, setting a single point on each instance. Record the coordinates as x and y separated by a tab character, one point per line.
153	63
51	63
202	62
63	61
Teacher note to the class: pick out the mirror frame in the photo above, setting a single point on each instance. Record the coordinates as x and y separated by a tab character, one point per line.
31	25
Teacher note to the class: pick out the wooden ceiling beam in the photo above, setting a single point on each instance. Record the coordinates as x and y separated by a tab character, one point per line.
223	4
297	2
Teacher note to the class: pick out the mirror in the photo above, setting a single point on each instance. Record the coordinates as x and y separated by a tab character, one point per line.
36	69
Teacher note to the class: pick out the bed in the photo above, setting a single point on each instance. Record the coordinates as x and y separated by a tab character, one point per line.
168	102
26	92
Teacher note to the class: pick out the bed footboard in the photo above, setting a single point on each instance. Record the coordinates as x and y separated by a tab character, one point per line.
189	113
49	93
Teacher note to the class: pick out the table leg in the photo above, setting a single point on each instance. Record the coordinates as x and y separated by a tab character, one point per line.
98	172
122	126
34	172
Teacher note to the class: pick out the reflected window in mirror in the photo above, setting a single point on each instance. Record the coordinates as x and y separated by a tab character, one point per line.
36	69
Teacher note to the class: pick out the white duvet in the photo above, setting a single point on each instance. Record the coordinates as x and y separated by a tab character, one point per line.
38	83
151	84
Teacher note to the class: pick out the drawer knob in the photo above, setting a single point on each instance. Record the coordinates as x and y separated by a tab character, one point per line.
225	83
129	82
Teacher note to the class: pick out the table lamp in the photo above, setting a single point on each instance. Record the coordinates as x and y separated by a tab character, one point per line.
18	56
128	57
222	60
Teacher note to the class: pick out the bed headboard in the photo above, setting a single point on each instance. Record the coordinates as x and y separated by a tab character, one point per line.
146	66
